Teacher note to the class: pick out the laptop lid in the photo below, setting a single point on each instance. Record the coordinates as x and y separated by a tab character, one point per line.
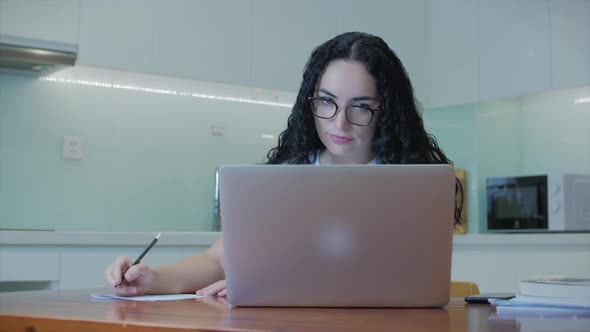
338	235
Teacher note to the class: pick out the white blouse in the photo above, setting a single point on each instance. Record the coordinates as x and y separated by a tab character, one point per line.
315	159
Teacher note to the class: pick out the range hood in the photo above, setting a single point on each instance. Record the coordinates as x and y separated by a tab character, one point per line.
34	56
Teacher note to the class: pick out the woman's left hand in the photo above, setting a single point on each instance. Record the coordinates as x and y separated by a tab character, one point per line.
215	289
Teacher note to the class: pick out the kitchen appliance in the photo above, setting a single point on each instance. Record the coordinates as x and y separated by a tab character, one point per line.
539	203
34	56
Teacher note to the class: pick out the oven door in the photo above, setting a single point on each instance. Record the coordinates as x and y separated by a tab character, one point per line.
517	203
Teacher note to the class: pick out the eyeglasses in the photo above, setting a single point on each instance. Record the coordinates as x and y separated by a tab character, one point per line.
326	108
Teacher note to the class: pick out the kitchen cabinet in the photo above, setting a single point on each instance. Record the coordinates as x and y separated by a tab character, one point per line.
455	51
78	259
27	264
402	24
284	34
452	52
55	20
116	34
514	48
205	40
570	43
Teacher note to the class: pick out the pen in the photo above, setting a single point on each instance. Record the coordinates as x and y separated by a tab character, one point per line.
138	260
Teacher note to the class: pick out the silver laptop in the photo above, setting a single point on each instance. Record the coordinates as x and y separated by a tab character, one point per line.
337	236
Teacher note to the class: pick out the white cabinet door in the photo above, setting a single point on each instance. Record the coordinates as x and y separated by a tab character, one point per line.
28	264
514	48
401	23
284	34
84	266
116	34
205	40
55	20
451	43
570	43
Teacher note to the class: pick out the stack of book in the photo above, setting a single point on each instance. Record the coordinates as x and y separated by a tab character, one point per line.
550	294
548	304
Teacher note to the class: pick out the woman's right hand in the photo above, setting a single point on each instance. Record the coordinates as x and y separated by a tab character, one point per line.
137	277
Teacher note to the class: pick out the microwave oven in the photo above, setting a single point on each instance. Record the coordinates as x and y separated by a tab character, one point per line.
538	203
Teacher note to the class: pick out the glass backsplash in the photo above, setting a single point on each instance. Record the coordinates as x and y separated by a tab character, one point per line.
151	145
544	133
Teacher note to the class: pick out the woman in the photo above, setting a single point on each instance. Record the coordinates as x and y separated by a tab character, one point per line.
355	106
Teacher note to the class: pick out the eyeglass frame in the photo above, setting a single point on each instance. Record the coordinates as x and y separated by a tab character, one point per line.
337	109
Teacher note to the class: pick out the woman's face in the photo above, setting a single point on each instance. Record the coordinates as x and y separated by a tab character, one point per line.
347	84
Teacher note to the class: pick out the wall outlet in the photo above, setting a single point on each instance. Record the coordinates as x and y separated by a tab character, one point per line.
217	131
73	149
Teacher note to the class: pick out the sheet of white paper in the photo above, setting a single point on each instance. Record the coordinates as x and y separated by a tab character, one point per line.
162	297
543	301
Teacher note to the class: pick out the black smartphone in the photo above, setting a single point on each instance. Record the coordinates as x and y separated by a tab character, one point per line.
483	298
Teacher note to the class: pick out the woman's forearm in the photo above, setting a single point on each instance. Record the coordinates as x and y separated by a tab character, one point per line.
187	275
191	273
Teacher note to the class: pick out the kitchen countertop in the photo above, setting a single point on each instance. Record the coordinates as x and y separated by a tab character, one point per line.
101	238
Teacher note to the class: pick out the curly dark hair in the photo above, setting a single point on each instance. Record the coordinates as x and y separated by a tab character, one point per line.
400	137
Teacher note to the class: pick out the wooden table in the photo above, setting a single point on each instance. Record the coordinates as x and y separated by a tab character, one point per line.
73	310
